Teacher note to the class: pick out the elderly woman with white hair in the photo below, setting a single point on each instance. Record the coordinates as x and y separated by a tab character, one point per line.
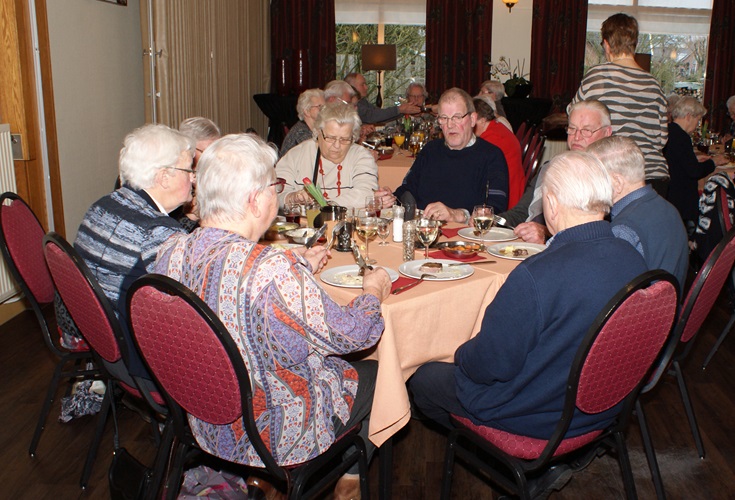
309	395
344	172
685	167
122	231
308	106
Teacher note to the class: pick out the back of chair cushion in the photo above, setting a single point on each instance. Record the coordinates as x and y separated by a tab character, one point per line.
185	356
626	347
82	303
24	238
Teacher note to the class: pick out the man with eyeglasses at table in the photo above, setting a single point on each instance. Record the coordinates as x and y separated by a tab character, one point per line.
452	175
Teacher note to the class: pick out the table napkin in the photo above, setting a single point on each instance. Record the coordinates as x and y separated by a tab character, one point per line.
438	254
401	281
450	233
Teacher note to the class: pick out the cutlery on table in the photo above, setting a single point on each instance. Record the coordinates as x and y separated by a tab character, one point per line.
412	284
317	234
335	231
360	260
470	263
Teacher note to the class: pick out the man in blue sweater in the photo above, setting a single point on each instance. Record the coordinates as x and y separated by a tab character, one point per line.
512	375
639	215
452	175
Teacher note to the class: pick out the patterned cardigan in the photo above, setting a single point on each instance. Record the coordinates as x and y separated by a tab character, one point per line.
290	334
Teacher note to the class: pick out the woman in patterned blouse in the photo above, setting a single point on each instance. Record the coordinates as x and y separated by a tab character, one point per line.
290	332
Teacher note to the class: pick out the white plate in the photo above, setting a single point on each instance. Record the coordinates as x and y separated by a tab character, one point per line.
533	249
411	269
284	246
495	234
346	276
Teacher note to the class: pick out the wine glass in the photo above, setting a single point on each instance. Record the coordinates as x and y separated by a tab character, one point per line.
384	227
428	230
482	218
398	138
374	204
414	144
367	227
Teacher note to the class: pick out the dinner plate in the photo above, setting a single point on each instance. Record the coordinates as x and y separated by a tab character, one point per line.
284	246
498	250
347	277
411	269
495	234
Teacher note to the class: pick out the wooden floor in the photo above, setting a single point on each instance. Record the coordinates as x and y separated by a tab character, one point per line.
26	365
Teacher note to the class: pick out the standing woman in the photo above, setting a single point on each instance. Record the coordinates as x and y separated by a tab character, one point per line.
635	99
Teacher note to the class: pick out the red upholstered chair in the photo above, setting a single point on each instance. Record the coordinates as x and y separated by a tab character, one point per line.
521	131
201	372
610	367
532	158
525	141
694	310
21	242
98	324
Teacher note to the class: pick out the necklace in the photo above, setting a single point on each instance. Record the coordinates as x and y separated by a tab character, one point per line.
324	183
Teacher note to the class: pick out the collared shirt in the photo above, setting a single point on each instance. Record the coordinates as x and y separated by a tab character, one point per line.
625	232
158	204
472	140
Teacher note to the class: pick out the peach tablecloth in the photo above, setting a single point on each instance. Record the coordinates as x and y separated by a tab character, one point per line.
392	171
425	323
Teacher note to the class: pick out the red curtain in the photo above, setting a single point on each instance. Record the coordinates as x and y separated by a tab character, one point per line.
558	36
719	84
458	37
303	43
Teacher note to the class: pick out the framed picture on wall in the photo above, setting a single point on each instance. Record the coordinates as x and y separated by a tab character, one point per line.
117	2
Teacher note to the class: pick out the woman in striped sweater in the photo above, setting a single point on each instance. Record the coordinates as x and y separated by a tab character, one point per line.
635	99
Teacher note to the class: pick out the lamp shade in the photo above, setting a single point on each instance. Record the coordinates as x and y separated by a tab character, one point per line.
379	57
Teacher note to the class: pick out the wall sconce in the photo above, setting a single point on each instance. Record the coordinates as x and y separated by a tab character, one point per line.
510	3
378	57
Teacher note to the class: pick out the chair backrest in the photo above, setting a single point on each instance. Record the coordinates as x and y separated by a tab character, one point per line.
83	297
521	131
526	141
193	358
723	210
619	349
534	156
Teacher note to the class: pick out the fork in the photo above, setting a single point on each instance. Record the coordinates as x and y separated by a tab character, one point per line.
411	285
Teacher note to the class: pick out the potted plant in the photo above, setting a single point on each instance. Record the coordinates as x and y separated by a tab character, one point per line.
518	86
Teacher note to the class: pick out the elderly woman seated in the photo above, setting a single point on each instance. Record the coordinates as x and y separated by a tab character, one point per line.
685	167
306	393
308	106
344	172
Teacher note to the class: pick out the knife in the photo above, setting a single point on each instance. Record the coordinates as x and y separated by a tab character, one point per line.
358	258
317	234
470	263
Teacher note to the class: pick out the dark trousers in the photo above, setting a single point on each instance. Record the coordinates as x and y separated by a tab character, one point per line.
660	185
367	373
434	392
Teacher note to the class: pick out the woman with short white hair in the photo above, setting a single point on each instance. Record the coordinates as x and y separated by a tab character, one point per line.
289	331
344	172
686	167
308	106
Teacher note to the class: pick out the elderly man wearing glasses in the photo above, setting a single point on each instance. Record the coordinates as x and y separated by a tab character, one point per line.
452	175
342	171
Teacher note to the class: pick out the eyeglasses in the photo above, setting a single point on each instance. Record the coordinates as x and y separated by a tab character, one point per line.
582	131
320	106
456	119
343	141
188	170
417	96
279	185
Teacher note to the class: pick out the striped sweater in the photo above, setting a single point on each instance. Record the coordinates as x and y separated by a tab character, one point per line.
637	109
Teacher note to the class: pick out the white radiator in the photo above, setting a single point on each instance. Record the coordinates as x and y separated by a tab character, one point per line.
8	287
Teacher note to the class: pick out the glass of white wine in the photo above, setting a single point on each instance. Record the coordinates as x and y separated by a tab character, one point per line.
427	230
482	219
367	227
384	227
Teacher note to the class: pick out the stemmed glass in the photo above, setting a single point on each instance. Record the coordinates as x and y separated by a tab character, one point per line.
398	138
428	230
482	218
366	225
373	204
384	227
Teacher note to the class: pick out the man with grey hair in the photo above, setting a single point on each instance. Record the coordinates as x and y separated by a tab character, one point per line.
369	113
339	90
639	215
122	231
452	175
518	386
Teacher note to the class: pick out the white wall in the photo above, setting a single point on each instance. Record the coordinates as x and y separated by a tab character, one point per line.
96	60
512	33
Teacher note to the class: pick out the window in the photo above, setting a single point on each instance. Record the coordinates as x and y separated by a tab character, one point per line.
676	38
400	22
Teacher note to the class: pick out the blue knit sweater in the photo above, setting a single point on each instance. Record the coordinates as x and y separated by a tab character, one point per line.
458	178
512	375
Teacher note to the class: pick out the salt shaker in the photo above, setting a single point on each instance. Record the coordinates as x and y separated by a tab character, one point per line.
397	223
409	240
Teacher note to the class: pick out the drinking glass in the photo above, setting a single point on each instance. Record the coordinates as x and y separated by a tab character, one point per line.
414	144
367	227
292	211
373	204
398	138
427	230
384	227
482	218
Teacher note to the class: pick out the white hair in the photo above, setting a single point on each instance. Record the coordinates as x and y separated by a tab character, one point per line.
337	88
200	129
343	114
579	181
730	102
494	87
688	106
620	155
304	102
147	150
231	171
594	105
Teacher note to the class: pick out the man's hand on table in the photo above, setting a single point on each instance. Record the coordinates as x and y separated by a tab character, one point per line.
376	282
531	232
386	197
440	211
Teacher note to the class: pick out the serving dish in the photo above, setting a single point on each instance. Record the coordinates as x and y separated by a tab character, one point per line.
300	235
459	249
278	229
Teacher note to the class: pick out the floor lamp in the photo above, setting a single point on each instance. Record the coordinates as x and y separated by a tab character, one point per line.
379	57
